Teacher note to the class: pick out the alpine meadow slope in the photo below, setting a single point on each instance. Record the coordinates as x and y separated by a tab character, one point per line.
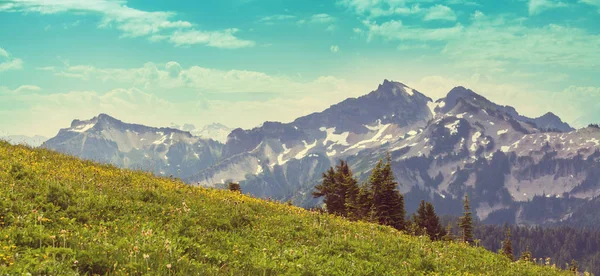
62	215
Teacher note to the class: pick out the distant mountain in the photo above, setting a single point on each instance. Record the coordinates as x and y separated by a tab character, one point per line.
514	168
460	144
286	160
165	151
33	141
215	131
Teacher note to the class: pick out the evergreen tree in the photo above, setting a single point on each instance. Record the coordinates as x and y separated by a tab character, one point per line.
364	203
449	236
340	190
388	202
466	223
507	245
526	255
326	189
427	219
235	187
347	189
413	226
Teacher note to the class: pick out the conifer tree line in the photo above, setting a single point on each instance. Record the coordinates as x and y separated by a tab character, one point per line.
377	200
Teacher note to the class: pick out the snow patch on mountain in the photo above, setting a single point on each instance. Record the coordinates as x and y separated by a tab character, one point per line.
337	139
82	128
453	127
307	147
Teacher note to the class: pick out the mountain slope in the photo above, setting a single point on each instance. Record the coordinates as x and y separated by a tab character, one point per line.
61	215
460	144
165	151
277	159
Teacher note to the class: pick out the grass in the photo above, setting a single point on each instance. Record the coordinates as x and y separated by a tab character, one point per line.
63	216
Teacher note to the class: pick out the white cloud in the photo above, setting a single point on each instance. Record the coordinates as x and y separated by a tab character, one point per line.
3	53
156	25
9	63
20	89
220	39
395	30
320	18
145	107
172	76
494	42
379	8
538	6
440	12
277	17
595	3
581	105
334	48
45	68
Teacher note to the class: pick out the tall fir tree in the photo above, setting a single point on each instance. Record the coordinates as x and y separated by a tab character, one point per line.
348	189
466	223
507	245
434	228
427	220
340	190
388	202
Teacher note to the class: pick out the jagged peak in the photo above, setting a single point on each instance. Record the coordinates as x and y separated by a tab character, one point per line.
394	89
550	115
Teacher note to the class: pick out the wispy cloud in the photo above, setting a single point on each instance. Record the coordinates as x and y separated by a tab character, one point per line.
7	62
132	22
334	48
485	42
271	19
440	12
20	89
539	6
396	30
317	18
595	3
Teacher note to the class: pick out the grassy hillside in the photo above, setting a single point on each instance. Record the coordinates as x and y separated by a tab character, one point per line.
60	215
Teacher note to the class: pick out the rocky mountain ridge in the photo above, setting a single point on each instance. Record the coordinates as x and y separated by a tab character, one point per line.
460	144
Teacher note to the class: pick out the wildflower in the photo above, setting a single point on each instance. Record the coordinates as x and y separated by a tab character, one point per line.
76	262
146	256
169	266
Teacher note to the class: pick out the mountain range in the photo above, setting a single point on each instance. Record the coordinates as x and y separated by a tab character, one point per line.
32	141
515	169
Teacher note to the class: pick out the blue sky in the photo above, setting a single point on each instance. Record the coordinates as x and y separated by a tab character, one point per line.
241	62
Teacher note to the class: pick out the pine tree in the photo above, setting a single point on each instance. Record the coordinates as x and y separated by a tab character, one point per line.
348	189
364	203
427	220
507	245
449	236
327	189
340	190
433	226
466	223
388	202
526	255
